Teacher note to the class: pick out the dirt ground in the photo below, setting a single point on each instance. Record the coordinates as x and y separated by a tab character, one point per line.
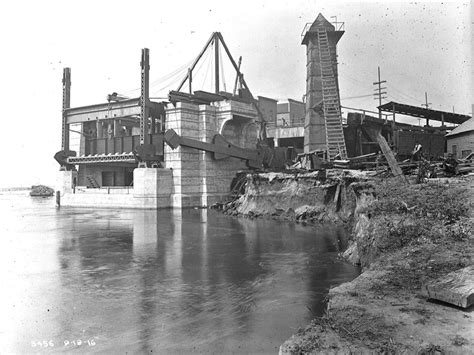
384	310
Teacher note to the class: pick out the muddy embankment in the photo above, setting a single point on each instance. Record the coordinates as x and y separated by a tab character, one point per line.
403	236
312	197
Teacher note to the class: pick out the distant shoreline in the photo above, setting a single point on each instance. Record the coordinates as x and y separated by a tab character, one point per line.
3	189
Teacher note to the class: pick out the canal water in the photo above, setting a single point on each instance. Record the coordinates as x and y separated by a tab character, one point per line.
116	281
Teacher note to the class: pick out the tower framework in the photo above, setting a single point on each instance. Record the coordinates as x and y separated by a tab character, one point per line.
323	121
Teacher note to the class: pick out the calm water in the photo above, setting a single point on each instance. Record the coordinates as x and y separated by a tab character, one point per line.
114	281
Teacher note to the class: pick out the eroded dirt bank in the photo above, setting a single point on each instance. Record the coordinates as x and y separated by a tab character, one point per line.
402	236
323	196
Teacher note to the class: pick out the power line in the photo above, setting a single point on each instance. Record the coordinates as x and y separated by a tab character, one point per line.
356	97
164	78
409	97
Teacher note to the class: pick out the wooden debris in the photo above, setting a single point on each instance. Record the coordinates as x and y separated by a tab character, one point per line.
387	152
456	288
363	157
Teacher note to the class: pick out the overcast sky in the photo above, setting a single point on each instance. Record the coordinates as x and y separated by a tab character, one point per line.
420	46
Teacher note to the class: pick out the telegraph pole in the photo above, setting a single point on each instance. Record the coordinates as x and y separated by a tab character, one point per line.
379	91
427	106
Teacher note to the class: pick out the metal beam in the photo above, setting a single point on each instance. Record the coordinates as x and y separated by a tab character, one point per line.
237	76
190	76
145	96
102	158
263	134
104	111
216	62
66	105
220	147
197	60
236	67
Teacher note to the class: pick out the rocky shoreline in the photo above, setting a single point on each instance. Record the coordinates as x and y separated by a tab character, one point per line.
402	236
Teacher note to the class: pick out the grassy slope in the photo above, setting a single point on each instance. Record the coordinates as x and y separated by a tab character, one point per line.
414	234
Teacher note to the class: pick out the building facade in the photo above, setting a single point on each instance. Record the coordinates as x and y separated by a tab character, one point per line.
460	141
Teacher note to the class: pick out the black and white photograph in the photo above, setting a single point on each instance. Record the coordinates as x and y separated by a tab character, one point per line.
237	177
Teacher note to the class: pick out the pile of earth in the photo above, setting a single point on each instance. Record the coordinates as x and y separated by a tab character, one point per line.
299	196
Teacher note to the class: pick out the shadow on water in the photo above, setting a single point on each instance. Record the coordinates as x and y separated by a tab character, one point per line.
173	281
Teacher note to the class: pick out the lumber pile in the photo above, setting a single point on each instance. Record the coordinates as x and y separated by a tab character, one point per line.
456	288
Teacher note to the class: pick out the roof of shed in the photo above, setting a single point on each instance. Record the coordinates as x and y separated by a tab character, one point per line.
465	127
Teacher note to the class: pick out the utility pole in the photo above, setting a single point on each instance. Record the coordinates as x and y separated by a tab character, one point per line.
427	106
379	91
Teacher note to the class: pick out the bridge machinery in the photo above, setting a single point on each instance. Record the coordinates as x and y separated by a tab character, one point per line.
114	138
122	159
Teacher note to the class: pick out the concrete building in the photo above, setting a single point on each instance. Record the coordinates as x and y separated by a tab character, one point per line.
288	130
323	121
268	108
460	141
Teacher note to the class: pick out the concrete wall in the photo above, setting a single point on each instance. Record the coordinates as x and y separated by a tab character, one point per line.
268	107
65	181
315	129
153	189
291	113
464	142
283	119
297	112
198	179
314	132
95	171
290	124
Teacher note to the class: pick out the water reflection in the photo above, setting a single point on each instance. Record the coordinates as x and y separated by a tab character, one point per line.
172	281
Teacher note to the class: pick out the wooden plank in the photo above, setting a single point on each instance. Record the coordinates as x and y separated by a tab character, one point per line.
455	288
387	152
362	157
220	147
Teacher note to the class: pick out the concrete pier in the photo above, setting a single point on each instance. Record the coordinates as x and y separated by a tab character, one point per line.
191	177
198	179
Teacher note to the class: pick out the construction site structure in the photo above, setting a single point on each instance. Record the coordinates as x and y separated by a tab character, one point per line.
122	159
186	151
323	121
